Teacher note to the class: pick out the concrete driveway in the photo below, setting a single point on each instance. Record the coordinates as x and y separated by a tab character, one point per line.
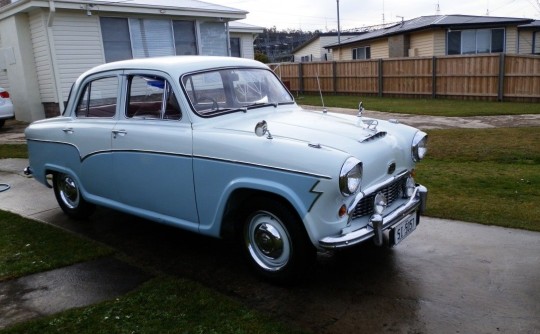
447	277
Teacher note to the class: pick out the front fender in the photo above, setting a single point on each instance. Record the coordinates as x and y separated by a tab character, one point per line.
297	188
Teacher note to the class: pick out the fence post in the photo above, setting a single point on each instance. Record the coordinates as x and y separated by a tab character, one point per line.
501	77
334	77
380	94
434	78
300	78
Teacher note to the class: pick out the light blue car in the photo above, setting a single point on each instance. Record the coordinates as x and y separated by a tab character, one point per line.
218	146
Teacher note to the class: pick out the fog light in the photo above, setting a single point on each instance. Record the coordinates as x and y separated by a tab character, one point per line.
380	203
409	187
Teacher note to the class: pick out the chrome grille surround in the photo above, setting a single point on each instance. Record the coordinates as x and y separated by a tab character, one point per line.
392	191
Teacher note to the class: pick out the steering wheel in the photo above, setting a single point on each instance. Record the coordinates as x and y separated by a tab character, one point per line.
215	105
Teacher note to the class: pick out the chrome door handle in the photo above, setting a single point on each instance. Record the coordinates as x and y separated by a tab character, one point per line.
119	133
68	130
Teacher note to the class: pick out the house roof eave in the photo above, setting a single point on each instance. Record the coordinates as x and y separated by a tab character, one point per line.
155	8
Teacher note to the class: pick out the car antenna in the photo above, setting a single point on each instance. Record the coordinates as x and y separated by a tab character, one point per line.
320	91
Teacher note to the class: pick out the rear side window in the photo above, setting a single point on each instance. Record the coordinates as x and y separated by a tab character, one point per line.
151	97
99	99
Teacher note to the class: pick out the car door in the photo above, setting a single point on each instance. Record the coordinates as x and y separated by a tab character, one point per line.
93	116
152	145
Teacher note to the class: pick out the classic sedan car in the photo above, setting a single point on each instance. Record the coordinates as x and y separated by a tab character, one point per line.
218	146
6	107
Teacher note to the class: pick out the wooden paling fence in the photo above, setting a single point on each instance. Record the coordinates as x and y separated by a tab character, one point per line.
501	77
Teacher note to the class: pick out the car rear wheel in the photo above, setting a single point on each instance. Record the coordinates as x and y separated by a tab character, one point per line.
2	122
275	242
69	197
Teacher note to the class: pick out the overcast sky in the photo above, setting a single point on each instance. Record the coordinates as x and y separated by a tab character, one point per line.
322	14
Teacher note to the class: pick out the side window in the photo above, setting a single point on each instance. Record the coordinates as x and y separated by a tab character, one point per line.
151	97
99	98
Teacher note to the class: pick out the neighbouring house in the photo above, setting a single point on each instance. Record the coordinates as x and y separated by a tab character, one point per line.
529	38
46	44
441	35
313	49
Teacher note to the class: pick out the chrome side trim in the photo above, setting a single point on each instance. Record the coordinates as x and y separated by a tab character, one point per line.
415	203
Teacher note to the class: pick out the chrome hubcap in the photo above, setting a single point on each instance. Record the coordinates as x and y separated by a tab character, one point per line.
268	241
69	192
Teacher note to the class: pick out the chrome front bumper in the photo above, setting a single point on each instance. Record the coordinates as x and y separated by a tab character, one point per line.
379	223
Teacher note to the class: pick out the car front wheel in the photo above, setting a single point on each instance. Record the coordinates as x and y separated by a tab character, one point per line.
275	242
69	197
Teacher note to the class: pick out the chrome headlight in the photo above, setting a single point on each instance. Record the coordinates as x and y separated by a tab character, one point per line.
350	176
419	146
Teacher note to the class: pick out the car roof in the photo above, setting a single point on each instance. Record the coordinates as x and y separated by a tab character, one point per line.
177	65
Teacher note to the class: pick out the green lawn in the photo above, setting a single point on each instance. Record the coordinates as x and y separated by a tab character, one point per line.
433	107
162	305
13	151
488	176
28	247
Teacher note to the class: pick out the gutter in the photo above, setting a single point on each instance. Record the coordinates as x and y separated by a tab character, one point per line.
52	55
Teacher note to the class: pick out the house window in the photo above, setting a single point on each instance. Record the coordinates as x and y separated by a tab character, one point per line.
116	41
139	38
304	59
184	37
151	38
213	39
475	41
235	47
361	53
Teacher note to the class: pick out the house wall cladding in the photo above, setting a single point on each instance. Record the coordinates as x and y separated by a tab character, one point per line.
3	73
77	45
42	57
487	77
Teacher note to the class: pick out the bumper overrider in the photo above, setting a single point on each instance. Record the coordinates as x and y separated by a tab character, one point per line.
380	223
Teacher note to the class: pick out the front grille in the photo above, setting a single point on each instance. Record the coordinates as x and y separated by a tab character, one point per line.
392	192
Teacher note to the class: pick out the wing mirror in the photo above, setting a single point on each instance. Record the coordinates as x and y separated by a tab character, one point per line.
261	129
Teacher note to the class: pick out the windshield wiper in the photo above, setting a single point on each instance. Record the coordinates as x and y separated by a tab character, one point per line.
260	105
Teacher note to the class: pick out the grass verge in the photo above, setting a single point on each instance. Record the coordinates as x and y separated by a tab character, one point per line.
432	107
488	176
162	305
28	247
13	151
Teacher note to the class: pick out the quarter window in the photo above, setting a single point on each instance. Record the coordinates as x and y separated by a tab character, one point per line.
475	41
99	98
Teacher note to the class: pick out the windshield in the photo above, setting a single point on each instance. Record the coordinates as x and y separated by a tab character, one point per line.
228	90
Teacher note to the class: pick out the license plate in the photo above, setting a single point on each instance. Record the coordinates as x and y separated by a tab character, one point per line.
403	229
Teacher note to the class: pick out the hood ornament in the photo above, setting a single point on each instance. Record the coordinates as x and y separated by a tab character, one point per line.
360	109
261	129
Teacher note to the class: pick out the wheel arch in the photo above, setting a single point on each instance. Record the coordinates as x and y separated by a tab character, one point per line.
235	208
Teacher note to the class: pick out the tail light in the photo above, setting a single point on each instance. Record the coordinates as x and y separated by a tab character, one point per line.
4	95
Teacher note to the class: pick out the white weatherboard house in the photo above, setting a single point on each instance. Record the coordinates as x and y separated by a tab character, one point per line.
46	44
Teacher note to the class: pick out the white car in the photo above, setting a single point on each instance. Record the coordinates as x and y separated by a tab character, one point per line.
218	146
6	107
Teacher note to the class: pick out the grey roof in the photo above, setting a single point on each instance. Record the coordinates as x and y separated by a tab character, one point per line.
241	26
534	24
176	4
436	21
